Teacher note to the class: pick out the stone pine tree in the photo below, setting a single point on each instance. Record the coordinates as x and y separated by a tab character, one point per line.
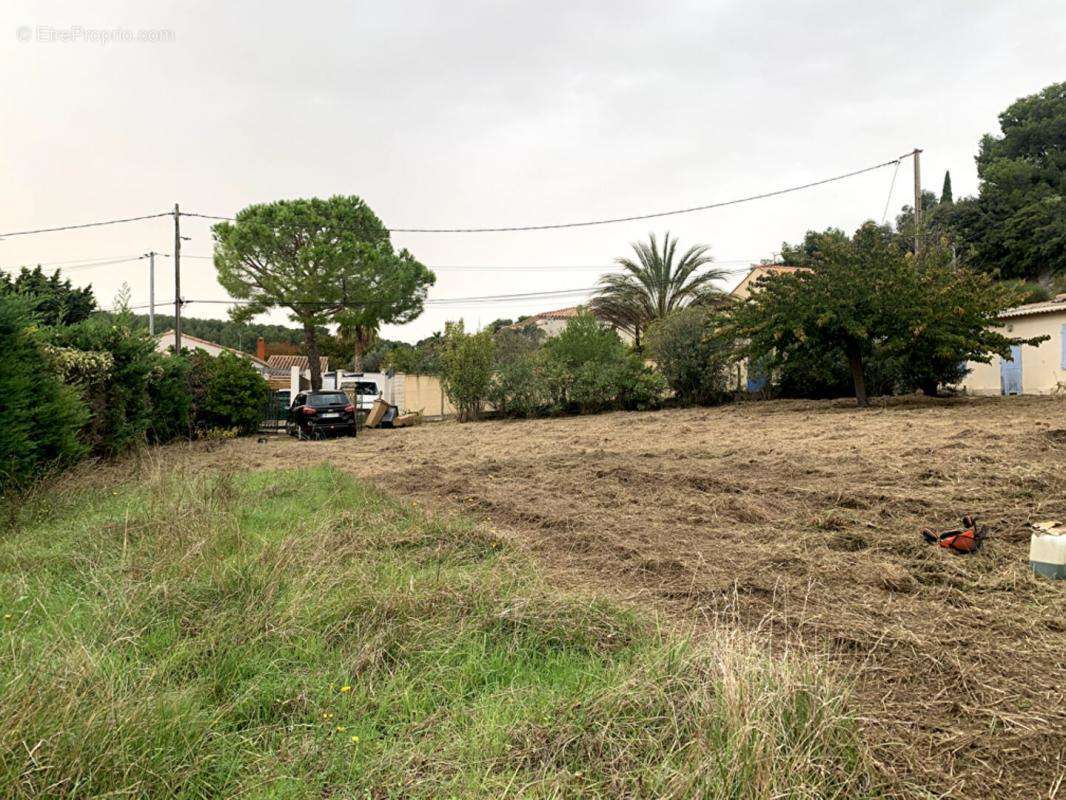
321	260
945	193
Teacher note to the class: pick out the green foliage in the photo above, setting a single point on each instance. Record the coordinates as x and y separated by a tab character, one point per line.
40	416
518	387
1016	226
584	339
514	344
945	192
655	284
297	634
51	301
691	354
326	261
947	316
585	369
466	368
229	393
170	400
864	302
813	248
119	400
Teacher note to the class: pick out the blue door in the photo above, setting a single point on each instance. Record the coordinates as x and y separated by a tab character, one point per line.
1010	372
757	377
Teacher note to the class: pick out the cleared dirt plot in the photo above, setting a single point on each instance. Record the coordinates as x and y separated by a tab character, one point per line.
800	520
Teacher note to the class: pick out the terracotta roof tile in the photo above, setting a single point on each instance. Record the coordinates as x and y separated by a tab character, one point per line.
285	362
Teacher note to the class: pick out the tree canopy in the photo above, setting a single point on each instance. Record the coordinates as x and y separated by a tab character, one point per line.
325	260
654	284
1016	226
863	299
51	300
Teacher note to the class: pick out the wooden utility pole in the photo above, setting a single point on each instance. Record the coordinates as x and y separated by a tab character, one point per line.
177	280
917	200
151	292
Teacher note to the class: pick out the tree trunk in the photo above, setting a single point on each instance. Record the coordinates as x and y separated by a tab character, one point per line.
311	345
857	376
362	337
930	387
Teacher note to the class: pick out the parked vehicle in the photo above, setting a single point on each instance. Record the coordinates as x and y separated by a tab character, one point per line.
366	392
314	415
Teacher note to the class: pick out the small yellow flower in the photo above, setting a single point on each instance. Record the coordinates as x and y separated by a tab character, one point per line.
345	689
341	729
355	740
7	616
326	715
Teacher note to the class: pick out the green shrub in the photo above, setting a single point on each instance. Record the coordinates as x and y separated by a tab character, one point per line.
518	388
585	339
233	394
119	400
40	416
692	357
639	387
466	368
170	400
588	369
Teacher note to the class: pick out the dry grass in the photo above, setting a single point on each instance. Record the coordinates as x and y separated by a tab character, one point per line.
797	520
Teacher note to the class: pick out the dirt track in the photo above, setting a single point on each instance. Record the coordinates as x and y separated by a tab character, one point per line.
800	519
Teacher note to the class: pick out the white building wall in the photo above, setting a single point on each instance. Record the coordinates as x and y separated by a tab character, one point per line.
1043	366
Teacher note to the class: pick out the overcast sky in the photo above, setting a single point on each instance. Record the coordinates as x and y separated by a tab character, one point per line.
493	114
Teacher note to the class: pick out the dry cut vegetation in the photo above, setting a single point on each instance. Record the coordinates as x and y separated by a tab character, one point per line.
797	522
294	634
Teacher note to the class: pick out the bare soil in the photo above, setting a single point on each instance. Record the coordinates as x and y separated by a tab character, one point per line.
799	521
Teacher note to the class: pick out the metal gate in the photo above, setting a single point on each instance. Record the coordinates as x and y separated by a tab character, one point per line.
275	411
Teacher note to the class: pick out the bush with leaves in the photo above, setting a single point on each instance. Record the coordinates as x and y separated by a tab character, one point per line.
229	392
40	416
588	368
466	368
119	400
518	387
170	399
692	354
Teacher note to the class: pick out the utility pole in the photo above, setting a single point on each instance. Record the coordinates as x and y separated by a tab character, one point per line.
151	292
917	201
177	280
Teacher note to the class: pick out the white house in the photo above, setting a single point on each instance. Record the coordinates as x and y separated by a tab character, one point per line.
552	323
1030	370
164	342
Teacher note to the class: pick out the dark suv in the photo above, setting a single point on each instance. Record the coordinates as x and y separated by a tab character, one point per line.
313	415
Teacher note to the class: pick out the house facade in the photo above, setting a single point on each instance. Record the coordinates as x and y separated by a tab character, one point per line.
552	323
164	343
1030	370
746	378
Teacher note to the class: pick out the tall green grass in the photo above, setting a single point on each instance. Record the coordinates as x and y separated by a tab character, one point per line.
298	635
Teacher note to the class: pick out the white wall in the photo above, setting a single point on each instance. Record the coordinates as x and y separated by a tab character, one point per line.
1042	366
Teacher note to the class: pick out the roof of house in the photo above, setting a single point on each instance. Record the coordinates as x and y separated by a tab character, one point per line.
560	313
758	270
1057	304
196	340
285	362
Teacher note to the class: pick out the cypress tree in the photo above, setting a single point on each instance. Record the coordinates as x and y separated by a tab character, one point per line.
945	193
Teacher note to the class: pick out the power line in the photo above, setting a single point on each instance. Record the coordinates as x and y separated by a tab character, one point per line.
632	218
891	186
83	225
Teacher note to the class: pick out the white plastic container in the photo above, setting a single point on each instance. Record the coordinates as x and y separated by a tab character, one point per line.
1047	554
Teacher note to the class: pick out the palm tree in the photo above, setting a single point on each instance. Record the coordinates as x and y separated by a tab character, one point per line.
653	285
